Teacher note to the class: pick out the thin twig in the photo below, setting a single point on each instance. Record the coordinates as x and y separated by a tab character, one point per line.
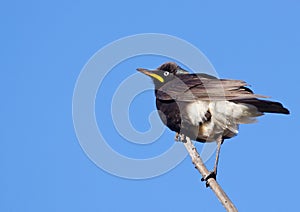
211	182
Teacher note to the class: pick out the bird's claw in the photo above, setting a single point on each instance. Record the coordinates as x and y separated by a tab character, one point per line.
176	138
211	174
179	137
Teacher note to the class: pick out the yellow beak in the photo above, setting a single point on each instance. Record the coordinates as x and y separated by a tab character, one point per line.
151	74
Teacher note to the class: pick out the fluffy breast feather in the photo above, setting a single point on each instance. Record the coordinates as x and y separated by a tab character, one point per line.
225	116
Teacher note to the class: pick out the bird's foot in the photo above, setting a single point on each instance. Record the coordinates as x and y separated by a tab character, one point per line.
179	137
211	174
176	138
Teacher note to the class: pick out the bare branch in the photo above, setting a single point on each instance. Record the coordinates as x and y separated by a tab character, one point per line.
211	182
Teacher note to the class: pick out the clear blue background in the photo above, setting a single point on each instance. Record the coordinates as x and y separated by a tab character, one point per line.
44	45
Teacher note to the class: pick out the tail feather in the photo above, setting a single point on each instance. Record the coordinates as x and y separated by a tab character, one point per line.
265	105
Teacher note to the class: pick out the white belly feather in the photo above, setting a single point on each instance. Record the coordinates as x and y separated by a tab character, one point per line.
225	116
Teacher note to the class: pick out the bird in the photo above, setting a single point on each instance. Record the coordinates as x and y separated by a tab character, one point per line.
204	107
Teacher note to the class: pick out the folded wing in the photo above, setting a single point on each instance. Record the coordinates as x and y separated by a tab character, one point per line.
194	87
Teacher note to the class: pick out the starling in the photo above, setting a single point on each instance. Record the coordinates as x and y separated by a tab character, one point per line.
205	108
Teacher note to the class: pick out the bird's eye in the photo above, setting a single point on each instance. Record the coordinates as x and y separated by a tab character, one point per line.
166	73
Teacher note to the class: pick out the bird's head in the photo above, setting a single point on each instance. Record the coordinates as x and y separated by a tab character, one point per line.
164	73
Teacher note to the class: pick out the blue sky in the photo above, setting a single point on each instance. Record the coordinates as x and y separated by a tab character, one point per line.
45	45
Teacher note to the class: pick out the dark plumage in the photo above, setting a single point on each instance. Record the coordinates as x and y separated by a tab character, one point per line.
203	107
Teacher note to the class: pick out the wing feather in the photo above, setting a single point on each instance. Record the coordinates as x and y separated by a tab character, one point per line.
191	87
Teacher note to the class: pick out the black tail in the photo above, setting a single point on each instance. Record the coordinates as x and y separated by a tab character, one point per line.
265	105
